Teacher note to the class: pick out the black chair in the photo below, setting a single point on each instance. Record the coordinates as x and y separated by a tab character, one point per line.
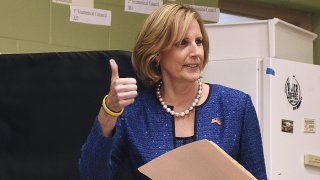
48	102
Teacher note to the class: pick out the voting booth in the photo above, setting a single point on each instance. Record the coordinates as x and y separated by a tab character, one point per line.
265	38
48	102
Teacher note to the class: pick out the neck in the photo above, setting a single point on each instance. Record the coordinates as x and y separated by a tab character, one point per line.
182	97
178	93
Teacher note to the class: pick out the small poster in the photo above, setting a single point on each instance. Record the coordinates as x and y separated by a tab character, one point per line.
90	15
287	126
208	13
293	92
142	6
309	125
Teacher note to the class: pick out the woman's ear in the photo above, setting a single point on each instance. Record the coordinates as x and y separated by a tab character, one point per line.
157	58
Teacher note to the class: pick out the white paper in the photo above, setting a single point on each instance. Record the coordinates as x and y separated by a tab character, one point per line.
208	13
66	2
90	15
142	6
82	3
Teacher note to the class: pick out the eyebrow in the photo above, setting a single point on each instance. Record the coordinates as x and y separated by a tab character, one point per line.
201	37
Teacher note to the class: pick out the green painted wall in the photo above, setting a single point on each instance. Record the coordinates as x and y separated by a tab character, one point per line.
316	29
42	26
303	5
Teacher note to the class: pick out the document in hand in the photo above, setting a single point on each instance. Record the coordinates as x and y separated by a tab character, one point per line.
200	160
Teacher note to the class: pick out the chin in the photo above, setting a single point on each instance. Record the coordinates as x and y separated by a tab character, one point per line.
193	78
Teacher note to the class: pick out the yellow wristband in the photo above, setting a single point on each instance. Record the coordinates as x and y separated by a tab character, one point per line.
108	111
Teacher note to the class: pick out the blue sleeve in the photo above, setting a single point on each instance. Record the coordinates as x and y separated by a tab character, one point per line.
100	156
251	150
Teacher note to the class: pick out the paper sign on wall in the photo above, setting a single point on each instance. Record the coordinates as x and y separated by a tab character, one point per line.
82	3
208	13
90	15
66	2
309	125
142	6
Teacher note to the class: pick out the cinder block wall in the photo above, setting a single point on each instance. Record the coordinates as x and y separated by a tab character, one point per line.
42	26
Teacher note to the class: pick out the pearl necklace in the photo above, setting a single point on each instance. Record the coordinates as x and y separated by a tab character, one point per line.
183	113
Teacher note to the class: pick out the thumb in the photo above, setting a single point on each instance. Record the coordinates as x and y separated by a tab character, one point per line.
114	69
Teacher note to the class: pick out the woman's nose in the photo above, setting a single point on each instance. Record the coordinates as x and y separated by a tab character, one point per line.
195	49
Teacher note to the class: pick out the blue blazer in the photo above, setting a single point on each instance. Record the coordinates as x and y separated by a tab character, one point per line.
146	131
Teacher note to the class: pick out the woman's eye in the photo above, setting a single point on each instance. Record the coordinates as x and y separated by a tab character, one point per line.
184	42
199	42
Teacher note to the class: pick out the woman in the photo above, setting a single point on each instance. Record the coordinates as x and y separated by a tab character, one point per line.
169	55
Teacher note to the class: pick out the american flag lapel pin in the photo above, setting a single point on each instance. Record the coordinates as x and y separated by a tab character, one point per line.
216	121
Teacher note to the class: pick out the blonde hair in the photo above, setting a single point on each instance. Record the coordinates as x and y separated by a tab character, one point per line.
160	32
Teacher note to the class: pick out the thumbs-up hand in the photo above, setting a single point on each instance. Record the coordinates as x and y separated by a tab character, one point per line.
122	90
